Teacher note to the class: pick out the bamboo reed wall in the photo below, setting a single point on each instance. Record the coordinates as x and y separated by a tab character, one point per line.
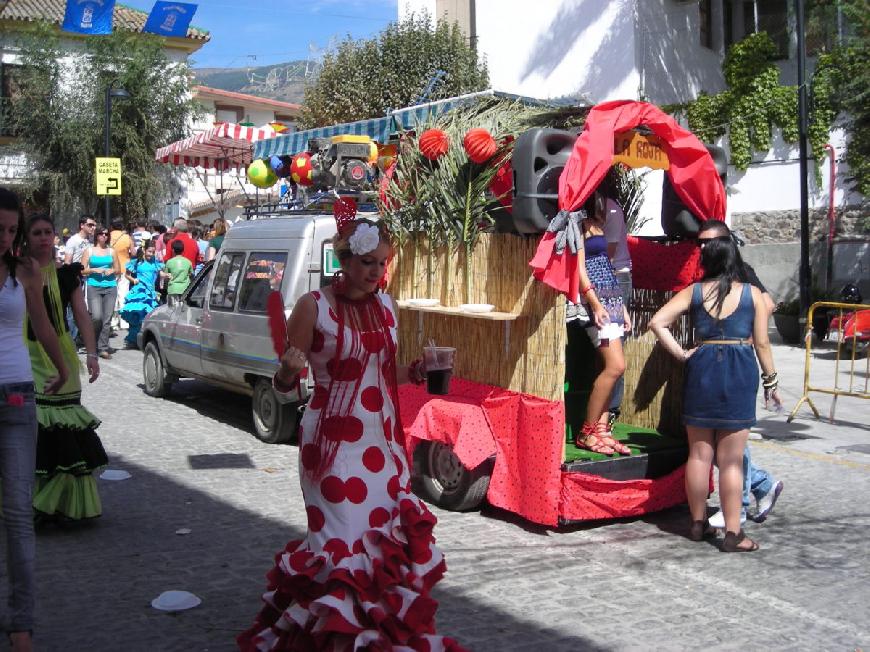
534	361
653	378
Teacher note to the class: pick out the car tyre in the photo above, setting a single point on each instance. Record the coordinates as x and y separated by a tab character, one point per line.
442	480
274	422
156	381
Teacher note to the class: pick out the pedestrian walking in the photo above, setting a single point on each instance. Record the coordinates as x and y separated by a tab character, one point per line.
361	577
122	243
21	296
721	377
180	272
74	249
68	448
142	273
100	266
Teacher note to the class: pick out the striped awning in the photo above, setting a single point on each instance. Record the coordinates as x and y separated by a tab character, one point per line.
378	129
223	147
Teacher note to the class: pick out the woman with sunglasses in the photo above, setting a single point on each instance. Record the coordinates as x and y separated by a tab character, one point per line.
102	269
721	378
20	298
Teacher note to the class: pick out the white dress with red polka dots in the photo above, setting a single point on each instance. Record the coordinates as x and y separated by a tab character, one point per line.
360	579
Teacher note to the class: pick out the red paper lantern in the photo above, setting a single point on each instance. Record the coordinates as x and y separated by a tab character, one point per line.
433	144
301	170
479	145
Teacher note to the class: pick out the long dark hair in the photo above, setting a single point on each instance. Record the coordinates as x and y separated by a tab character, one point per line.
9	202
721	262
31	221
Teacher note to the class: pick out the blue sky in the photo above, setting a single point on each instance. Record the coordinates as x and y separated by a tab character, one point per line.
274	31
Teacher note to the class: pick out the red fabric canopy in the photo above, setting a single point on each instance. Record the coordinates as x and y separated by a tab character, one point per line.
226	146
692	173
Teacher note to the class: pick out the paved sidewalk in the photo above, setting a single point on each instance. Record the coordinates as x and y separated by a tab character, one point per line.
628	585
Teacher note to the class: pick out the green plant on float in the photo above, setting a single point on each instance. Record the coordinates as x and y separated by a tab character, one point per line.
755	103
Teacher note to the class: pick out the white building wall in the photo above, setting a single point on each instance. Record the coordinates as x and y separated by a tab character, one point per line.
555	48
673	65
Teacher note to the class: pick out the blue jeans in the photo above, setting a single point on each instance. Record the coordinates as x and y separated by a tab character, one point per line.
73	329
756	482
17	468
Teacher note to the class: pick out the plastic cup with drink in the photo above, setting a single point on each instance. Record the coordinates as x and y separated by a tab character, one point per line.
439	368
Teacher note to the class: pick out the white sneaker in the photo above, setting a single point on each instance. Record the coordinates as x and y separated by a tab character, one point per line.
718	519
766	503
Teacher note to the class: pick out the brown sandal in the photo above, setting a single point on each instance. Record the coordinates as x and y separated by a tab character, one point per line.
700	530
732	542
589	439
605	435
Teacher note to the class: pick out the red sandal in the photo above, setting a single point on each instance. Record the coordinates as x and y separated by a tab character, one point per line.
605	435
589	439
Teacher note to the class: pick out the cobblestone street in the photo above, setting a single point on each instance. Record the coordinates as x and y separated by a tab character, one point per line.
637	584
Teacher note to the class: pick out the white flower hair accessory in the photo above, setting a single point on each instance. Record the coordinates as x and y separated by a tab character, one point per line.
365	239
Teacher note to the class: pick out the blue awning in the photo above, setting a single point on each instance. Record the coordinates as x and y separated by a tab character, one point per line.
378	129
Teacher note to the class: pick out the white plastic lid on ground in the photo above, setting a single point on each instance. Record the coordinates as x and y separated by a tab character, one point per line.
175	601
115	474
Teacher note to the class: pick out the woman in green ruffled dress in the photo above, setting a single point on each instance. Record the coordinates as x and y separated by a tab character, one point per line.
68	448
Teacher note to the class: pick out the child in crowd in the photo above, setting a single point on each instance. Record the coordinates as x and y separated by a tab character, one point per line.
180	271
142	298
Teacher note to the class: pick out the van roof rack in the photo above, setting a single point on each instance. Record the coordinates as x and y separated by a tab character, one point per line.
314	203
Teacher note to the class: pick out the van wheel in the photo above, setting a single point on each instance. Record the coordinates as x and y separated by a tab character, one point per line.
157	382
274	423
443	481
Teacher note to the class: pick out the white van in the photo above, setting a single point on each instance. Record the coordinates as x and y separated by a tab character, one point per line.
219	332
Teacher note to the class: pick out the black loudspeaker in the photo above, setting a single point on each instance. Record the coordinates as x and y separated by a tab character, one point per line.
538	159
679	222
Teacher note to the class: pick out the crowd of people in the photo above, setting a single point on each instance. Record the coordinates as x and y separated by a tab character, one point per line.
363	573
63	295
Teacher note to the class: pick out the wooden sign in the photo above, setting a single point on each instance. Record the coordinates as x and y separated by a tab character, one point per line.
639	151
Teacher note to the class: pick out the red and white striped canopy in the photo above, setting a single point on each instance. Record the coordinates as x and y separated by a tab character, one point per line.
226	146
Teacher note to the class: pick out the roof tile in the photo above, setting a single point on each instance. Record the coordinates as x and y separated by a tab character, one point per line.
53	11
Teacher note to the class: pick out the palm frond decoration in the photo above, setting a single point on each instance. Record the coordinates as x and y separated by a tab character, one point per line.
448	202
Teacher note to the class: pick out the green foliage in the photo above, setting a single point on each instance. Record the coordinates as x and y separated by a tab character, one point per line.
366	78
754	104
629	186
846	75
59	111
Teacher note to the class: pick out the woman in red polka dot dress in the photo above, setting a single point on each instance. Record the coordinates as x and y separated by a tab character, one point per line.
360	579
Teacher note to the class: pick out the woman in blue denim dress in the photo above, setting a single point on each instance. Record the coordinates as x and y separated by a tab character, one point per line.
20	295
721	378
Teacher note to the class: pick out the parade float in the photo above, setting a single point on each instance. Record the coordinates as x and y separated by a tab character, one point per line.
468	194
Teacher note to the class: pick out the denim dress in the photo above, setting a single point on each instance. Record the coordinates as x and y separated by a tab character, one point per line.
721	380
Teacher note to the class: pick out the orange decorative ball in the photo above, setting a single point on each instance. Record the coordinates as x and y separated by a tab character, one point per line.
479	145
301	170
433	144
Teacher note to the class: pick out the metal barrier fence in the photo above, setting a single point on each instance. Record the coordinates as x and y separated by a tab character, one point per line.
854	344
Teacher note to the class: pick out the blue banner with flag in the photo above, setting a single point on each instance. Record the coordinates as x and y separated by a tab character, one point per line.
170	18
88	16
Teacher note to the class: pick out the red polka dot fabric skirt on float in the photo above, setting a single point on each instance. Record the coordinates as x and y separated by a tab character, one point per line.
360	579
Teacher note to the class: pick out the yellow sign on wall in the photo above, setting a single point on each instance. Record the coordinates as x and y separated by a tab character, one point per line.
108	176
639	151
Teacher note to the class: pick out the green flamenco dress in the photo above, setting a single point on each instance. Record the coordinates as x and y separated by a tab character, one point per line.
68	448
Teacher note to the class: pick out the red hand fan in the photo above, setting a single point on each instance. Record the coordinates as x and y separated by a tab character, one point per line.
277	322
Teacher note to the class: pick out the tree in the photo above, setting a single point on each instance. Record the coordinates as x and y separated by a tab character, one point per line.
366	78
58	111
847	70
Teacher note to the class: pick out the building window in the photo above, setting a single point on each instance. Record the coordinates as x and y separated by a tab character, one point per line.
8	90
705	10
287	120
769	16
224	113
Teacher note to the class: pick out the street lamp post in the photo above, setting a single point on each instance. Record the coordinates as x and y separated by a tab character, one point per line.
107	131
804	273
